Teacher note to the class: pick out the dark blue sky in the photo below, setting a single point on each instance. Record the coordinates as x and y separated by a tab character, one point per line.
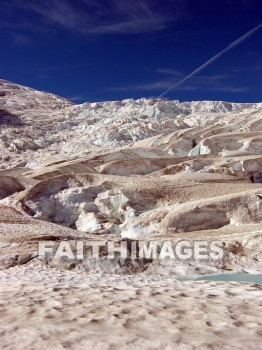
92	50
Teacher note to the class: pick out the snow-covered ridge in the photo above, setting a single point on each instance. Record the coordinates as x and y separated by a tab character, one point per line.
158	108
38	122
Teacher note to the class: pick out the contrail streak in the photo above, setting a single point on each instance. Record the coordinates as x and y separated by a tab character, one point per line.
214	58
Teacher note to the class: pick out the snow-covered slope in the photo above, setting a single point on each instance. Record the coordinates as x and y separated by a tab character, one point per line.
36	124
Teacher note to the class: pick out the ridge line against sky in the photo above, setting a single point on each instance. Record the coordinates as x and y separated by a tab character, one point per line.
214	58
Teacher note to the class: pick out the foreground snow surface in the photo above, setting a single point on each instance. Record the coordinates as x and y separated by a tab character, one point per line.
56	309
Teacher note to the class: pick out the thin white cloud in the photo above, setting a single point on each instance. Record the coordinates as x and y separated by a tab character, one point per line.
76	98
169	71
204	83
109	16
233	89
